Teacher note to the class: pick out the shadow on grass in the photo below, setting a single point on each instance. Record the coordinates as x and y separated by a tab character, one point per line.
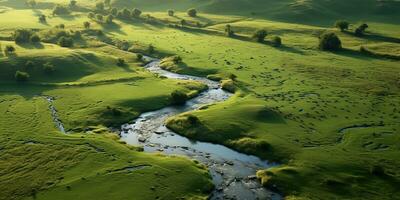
360	55
37	45
113	27
375	37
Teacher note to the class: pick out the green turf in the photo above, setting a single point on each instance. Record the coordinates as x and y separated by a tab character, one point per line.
290	106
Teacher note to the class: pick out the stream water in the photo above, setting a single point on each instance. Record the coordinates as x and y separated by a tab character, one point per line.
233	173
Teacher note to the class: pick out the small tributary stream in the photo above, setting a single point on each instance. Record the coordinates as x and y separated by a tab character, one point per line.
233	173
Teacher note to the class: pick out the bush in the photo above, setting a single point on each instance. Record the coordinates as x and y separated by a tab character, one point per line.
120	62
86	25
139	57
99	17
260	35
65	41
48	68
342	25
171	13
35	38
22	36
42	19
329	42
228	30
178	97
192	12
21	76
109	19
136	13
60	10
9	50
361	29
276	41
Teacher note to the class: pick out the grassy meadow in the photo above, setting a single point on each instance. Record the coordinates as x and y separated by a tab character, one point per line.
331	119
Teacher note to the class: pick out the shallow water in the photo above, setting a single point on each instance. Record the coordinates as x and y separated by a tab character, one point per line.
233	173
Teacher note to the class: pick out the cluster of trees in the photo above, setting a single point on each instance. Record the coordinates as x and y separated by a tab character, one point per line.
25	36
23	76
60	10
344	25
329	42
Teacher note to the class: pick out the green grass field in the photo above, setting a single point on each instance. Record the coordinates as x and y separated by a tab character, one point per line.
330	119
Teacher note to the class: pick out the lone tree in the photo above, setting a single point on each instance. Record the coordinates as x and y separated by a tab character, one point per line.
277	41
171	13
361	30
21	76
329	42
228	30
109	19
42	19
192	12
260	35
86	25
136	13
342	25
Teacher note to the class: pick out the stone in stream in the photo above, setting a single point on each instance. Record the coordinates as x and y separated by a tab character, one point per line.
142	139
158	132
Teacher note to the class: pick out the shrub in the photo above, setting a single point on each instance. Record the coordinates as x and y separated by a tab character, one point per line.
276	41
120	62
9	50
65	41
361	29
192	12
342	25
136	13
22	36
178	97
171	13
48	68
21	76
109	19
114	11
139	57
86	25
91	15
42	19
228	30
60	10
35	38
329	42
260	35
99	17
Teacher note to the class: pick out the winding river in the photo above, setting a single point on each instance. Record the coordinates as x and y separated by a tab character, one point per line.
233	173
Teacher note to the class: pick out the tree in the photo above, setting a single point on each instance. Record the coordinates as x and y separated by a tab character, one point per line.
22	36
99	17
48	68
136	13
276	41
60	10
65	41
124	13
139	57
86	25
171	13
192	12
361	30
109	19
9	50
21	76
35	38
100	6
114	11
329	42
91	15
228	30
120	62
72	3
342	25
260	35
183	22
178	97
42	19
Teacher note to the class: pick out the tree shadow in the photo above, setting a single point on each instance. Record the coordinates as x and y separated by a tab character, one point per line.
112	27
356	54
37	45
